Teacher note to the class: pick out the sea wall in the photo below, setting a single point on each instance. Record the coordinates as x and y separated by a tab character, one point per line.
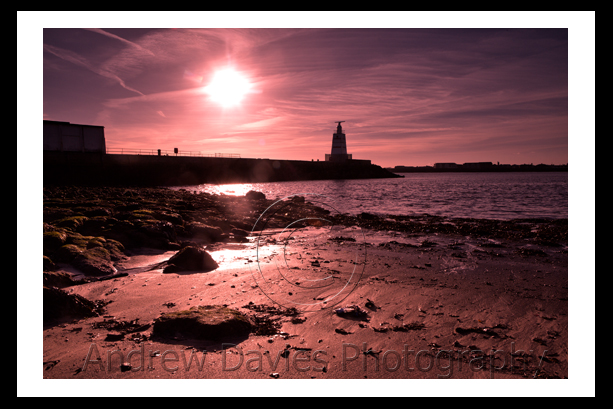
99	169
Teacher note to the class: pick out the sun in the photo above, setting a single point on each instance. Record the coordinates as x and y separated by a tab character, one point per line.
228	87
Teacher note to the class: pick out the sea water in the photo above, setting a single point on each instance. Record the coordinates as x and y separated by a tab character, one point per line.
483	195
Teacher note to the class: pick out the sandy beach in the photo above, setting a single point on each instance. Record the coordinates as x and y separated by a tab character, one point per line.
332	303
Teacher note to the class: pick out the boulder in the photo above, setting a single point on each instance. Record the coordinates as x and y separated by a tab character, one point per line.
201	231
72	222
68	252
141	233
191	258
58	305
53	240
210	322
48	264
253	195
58	279
95	261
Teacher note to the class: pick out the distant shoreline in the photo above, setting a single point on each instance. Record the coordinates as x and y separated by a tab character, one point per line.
479	167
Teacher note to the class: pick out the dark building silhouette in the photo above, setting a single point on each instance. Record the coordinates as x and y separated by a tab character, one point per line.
67	137
339	146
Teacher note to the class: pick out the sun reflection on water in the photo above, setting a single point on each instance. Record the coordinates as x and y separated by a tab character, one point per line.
239	189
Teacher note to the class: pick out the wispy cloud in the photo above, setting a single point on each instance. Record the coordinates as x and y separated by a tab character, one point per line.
123	40
78	60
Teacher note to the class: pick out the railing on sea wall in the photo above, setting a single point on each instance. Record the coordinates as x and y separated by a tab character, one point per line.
159	152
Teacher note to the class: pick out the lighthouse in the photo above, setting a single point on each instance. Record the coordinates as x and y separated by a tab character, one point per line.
339	146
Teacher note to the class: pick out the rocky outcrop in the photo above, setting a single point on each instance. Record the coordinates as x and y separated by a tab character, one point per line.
92	228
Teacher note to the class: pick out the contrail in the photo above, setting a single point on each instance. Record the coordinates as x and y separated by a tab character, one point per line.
106	33
78	60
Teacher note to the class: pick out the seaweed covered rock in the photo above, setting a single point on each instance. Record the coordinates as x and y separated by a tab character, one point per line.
201	231
58	279
53	239
191	258
145	232
95	261
209	322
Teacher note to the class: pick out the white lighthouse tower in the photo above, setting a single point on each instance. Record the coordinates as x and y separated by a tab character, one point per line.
339	146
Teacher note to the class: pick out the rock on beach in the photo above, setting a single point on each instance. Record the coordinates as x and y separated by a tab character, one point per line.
191	258
58	304
208	322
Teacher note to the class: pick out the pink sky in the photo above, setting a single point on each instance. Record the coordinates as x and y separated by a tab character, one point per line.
409	96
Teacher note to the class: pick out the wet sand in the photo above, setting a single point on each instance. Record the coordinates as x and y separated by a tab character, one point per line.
432	306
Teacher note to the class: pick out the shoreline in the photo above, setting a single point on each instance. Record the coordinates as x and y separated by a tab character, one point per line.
468	299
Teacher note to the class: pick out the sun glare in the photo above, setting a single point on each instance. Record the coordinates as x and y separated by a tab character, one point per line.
228	87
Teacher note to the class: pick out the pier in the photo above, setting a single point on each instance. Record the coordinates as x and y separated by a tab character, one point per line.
75	154
102	169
